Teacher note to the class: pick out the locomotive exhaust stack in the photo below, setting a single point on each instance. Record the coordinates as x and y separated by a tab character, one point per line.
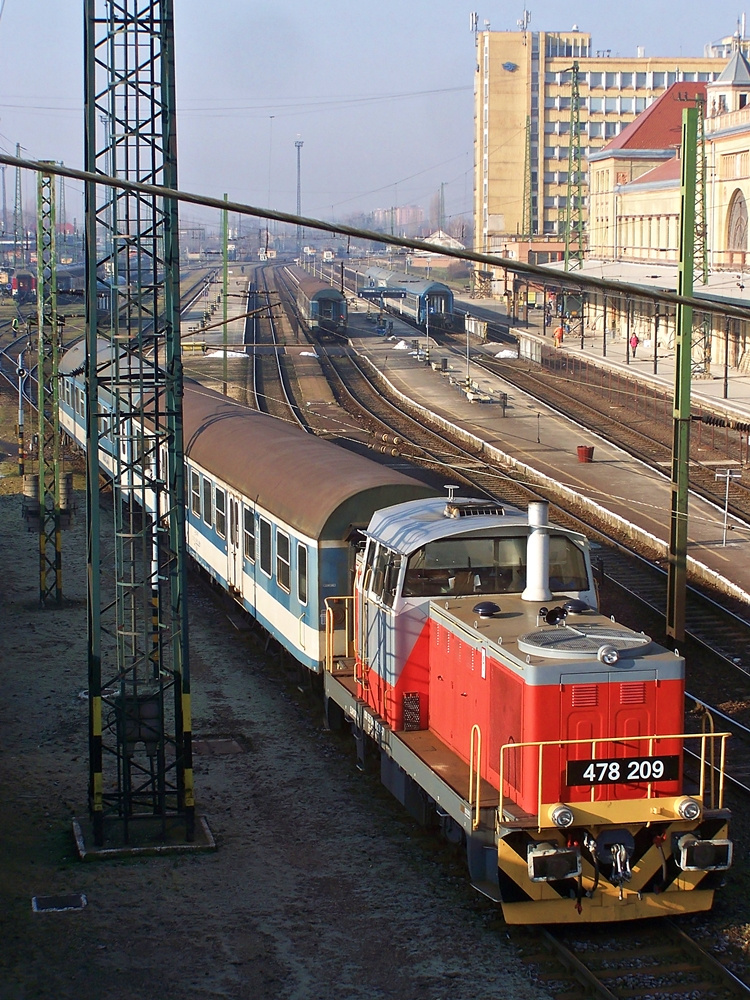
537	554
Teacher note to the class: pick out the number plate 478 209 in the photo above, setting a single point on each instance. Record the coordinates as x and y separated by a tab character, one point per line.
623	770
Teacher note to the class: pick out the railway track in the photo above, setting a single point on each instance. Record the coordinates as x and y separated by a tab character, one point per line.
653	959
635	416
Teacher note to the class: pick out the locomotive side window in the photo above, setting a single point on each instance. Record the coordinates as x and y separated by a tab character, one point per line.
221	512
195	493
249	534
302	573
391	572
265	545
567	566
386	566
282	561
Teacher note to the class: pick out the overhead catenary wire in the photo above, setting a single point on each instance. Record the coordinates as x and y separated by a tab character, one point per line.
536	271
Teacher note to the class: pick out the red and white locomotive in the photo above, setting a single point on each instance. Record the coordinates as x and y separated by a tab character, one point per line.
505	706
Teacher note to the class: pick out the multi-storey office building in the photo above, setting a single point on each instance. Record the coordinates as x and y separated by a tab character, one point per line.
523	119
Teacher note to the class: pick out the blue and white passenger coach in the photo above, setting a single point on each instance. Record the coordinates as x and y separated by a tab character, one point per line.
274	515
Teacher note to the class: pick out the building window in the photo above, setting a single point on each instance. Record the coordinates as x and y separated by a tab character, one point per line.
596	105
595	129
641	81
221	513
248	533
640	104
302	573
658	81
737	223
627	105
195	493
611	81
626	80
595	80
208	507
610	105
282	560
265	545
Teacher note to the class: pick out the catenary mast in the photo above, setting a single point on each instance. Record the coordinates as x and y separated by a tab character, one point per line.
140	768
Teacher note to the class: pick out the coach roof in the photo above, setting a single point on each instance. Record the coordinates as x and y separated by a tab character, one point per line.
314	486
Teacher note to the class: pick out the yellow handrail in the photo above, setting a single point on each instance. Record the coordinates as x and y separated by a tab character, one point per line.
475	729
615	740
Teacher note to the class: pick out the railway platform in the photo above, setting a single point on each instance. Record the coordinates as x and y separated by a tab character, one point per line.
528	436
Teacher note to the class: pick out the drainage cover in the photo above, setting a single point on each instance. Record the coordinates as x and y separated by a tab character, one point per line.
57	904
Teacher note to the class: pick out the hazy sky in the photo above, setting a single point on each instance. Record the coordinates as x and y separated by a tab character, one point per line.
381	94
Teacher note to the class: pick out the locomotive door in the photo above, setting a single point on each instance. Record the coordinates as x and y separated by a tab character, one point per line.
605	711
234	545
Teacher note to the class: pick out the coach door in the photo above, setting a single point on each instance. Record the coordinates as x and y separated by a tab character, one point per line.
234	545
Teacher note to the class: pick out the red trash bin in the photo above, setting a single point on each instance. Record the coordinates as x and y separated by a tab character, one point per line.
585	453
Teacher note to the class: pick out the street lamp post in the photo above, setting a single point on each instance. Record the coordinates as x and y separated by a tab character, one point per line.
728	475
468	376
21	372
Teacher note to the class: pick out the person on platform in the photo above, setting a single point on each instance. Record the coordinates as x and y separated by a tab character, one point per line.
558	335
634	342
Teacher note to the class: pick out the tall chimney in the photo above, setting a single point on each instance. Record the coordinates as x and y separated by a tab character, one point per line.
537	554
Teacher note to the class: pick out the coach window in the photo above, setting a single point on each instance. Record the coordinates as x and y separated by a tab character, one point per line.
282	560
208	506
249	534
221	512
265	545
302	573
195	493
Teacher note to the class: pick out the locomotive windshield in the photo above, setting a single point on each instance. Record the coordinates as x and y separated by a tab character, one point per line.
491	565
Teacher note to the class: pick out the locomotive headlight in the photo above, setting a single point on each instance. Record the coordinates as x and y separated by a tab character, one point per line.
608	655
687	808
561	815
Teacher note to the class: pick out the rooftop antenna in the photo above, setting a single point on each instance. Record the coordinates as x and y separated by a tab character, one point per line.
451	492
474	22
524	22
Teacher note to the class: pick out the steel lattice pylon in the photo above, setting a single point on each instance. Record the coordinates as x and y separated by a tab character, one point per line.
48	344
139	687
574	202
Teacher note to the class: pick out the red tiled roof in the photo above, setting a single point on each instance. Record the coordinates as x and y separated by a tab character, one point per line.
660	125
670	170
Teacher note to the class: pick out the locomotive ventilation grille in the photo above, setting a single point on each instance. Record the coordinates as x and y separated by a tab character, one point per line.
411	711
474	508
580	640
